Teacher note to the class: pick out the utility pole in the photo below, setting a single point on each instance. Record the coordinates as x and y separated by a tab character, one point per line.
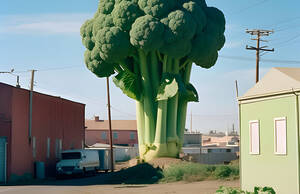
30	104
258	48
11	73
109	125
191	122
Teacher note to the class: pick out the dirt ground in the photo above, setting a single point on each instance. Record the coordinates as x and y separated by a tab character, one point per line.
204	187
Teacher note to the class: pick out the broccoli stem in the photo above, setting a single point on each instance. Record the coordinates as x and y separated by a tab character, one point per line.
182	106
140	122
149	121
162	108
172	113
154	72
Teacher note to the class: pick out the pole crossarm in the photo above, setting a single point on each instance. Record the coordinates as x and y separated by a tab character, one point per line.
259	33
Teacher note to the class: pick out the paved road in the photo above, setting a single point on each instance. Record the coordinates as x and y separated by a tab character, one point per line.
91	185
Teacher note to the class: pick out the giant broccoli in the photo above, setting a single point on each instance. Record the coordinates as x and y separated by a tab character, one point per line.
151	45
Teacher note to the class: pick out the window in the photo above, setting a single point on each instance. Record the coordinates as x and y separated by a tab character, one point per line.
115	135
103	135
280	135
48	147
71	155
254	137
132	135
33	147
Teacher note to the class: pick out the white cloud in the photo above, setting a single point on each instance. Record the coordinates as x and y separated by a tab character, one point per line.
233	44
43	23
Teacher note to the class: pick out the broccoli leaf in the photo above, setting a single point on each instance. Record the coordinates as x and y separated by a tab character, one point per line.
128	83
168	87
189	93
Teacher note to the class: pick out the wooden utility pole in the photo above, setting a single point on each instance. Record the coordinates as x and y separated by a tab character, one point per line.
191	122
259	34
109	125
236	89
30	104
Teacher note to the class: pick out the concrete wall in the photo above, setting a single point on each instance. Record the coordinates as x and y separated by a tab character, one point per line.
95	136
192	138
268	169
126	153
213	158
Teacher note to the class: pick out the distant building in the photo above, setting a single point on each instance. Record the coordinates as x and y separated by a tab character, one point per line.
124	132
210	149
57	124
220	140
192	139
269	120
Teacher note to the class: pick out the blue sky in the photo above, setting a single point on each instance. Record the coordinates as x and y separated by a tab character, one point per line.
44	35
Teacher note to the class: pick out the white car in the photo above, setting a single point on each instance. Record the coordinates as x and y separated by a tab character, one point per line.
77	161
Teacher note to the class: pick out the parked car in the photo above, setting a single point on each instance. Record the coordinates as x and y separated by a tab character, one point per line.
77	162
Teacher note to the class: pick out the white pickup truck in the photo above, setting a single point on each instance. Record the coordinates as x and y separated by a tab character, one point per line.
77	161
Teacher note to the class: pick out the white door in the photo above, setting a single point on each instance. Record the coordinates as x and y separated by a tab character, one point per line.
2	159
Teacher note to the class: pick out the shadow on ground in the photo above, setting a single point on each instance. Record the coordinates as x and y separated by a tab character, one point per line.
137	175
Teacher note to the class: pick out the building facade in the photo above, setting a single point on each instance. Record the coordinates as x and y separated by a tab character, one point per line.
269	120
124	132
57	124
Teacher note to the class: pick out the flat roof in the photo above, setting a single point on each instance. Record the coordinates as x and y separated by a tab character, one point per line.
93	124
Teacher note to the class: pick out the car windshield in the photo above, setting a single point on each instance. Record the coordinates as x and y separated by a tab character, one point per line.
71	155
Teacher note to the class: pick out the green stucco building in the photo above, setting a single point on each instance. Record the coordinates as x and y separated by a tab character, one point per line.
269	126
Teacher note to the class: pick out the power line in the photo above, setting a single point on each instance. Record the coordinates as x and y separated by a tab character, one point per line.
289	40
249	7
275	25
264	60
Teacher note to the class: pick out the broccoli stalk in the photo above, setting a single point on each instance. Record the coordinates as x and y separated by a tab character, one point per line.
151	45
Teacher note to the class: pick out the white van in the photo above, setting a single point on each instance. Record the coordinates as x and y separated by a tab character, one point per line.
77	161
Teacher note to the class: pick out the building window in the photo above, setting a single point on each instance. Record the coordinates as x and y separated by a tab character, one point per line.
115	135
132	135
48	147
33	147
104	135
280	135
254	137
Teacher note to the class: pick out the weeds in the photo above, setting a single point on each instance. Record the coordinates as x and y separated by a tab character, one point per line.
191	172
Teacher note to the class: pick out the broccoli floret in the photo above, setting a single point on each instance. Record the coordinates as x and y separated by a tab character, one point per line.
156	8
125	13
147	33
113	44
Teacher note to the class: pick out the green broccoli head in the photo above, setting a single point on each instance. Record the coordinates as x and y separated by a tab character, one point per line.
113	44
125	13
181	29
156	8
96	65
147	33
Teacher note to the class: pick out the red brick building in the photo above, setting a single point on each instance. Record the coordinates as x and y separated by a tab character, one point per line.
124	132
57	124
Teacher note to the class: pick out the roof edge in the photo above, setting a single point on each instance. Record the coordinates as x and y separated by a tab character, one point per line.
293	90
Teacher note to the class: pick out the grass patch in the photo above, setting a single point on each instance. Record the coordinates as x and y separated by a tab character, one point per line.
185	171
191	172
